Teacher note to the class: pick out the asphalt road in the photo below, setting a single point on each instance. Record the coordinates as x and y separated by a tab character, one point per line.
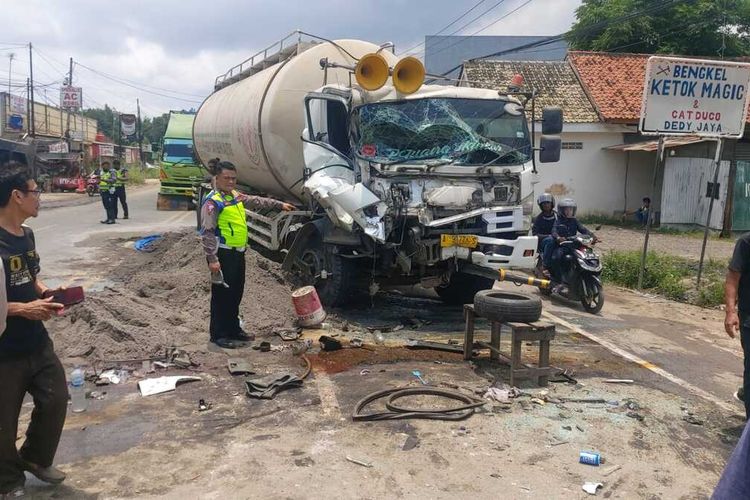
67	236
685	346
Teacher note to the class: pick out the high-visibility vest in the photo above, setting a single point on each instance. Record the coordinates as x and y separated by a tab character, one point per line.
231	223
120	174
104	180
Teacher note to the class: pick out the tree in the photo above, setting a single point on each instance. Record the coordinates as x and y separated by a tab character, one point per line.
153	128
687	27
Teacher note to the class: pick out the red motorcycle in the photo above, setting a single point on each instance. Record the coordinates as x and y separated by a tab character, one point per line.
92	185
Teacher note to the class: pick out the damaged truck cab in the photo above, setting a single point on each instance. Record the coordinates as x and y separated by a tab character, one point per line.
399	183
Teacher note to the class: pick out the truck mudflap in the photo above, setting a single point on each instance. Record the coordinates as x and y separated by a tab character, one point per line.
492	253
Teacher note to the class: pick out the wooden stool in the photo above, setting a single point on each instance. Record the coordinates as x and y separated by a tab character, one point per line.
519	332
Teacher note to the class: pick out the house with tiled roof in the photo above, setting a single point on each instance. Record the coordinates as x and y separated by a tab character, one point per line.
606	165
588	172
614	84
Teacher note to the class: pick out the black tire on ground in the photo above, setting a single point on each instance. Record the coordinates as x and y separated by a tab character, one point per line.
462	288
499	305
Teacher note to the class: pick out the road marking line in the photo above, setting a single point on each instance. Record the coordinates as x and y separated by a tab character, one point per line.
697	391
328	401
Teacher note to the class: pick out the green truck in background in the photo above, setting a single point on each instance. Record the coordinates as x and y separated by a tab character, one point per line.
180	170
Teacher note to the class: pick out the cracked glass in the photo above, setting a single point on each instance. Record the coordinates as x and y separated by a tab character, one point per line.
459	131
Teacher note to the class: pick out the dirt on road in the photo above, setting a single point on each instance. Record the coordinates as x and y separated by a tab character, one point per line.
160	299
660	441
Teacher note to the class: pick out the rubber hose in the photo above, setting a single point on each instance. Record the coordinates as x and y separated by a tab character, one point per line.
418	391
308	367
397	413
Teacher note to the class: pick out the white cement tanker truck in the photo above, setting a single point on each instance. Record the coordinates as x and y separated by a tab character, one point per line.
396	182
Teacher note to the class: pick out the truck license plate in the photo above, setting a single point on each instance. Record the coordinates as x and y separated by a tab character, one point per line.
459	240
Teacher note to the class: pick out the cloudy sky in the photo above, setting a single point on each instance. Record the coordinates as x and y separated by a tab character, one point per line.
168	52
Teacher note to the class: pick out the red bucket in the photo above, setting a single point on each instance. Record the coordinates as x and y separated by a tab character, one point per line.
308	307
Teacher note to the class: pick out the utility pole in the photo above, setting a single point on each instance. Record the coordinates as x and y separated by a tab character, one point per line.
140	134
67	128
32	128
28	106
11	56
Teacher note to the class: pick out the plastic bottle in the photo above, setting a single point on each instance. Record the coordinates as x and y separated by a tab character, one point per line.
78	390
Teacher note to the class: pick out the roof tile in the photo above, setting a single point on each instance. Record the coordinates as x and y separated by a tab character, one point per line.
614	82
555	81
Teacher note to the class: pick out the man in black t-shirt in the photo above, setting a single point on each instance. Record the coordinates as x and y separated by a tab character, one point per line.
737	301
28	363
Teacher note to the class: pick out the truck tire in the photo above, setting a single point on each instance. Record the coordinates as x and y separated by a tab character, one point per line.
462	288
499	305
336	289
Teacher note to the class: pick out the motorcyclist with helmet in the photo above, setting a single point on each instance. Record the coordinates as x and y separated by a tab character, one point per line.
542	227
566	226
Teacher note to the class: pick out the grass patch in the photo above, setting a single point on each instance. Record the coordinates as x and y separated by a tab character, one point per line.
591	221
138	176
672	277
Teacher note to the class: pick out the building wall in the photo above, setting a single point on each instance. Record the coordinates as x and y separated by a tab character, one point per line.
595	177
685	192
49	121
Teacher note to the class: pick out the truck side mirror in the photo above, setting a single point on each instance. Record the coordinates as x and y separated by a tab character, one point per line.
549	149
552	121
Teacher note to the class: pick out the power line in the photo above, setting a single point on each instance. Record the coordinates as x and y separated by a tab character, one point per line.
465	25
464	37
447	26
552	39
142	89
126	81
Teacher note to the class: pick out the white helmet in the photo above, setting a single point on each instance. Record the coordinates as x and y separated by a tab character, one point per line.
567	203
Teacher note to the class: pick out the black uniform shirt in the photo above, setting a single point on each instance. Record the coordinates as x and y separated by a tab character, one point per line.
21	336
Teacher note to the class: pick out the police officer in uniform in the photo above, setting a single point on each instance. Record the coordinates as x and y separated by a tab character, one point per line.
224	238
107	190
121	176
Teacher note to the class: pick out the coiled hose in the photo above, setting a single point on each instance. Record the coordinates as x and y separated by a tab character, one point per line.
397	412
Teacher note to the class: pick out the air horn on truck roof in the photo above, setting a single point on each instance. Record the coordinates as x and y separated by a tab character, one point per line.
372	71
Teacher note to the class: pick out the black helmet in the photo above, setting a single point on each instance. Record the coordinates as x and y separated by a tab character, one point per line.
567	203
545	198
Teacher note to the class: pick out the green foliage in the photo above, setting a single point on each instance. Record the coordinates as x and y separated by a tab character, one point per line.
672	277
663	273
696	27
711	295
153	127
136	175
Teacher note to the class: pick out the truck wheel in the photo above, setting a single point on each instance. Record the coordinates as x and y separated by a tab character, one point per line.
336	288
462	288
499	305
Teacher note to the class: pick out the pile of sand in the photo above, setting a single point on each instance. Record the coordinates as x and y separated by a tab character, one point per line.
161	299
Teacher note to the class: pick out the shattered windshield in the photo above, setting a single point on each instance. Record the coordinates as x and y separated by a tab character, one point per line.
459	131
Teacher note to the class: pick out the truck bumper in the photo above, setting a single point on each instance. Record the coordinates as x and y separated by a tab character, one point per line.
495	253
177	190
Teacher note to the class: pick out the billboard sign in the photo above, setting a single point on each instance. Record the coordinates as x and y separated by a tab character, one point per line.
58	147
76	135
18	105
695	97
106	150
128	124
71	98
